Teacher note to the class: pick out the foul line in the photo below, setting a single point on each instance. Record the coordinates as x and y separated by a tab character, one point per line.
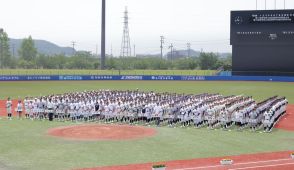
244	163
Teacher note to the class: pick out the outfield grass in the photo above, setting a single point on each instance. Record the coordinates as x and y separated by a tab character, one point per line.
259	90
105	72
25	145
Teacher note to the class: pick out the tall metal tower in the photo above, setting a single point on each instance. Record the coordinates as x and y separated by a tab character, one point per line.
126	50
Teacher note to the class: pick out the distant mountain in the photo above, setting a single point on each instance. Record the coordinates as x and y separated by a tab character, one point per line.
43	47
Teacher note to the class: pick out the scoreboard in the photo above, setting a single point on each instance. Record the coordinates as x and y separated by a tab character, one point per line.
263	42
262	27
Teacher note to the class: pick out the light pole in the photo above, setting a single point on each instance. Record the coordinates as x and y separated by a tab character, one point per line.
103	28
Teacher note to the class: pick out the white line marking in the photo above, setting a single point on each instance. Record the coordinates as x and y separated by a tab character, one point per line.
244	163
203	167
253	167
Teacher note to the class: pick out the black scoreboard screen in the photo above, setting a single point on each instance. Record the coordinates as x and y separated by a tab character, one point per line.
263	42
262	27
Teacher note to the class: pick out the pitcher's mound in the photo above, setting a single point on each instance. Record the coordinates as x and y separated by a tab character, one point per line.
102	132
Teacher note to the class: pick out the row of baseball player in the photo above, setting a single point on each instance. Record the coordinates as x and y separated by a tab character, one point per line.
212	110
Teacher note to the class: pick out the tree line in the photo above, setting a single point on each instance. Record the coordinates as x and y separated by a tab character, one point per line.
29	58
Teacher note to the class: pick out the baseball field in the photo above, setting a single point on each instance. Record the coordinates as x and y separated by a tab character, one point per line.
28	145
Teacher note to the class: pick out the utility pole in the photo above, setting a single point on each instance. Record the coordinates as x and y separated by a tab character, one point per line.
134	50
265	4
13	50
103	36
171	51
189	49
161	45
275	4
73	47
284	4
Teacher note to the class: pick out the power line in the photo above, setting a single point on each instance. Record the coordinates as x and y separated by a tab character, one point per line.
184	45
205	41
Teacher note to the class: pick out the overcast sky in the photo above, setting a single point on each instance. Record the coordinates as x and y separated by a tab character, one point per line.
203	23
